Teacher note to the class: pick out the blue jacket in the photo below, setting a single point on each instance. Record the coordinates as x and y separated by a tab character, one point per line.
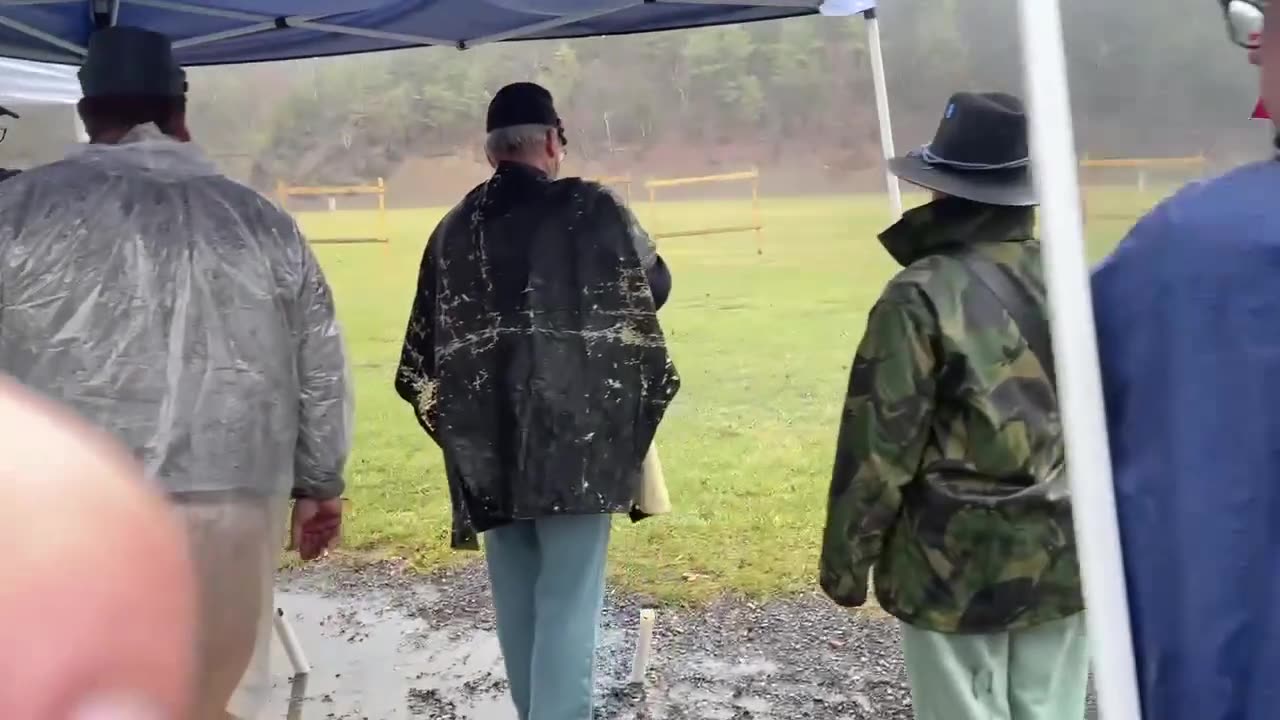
1188	313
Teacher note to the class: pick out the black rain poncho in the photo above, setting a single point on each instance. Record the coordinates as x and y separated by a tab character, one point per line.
533	355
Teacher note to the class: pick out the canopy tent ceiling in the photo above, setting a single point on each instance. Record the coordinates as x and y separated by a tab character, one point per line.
29	83
214	32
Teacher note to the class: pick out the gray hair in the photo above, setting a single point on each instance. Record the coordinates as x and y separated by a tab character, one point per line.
515	140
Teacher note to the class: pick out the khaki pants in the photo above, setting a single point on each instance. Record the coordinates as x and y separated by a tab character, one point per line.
235	543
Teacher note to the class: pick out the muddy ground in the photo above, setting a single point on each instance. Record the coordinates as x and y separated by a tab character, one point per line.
386	644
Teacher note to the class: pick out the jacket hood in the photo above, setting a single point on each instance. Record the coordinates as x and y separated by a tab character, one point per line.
952	223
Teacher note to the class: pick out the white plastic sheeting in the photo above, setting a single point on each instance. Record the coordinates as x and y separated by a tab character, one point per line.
182	311
30	83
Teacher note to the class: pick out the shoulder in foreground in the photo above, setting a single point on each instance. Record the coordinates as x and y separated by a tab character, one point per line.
589	189
60	172
461	213
66	185
70	173
1233	196
253	206
1234	207
928	276
1201	224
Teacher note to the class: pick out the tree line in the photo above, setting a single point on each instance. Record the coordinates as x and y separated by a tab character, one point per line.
1147	79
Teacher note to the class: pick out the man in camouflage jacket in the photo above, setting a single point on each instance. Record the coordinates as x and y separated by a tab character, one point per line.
948	476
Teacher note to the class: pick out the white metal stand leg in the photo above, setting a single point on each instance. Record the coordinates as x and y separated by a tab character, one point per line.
292	647
644	646
297	697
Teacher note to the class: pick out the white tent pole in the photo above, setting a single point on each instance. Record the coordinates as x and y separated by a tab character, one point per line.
1075	347
882	110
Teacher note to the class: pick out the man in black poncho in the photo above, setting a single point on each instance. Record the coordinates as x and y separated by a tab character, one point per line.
534	359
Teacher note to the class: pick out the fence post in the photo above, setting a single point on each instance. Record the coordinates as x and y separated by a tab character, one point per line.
382	213
755	210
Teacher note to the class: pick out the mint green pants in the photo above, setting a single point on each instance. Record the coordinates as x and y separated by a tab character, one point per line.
1039	673
547	578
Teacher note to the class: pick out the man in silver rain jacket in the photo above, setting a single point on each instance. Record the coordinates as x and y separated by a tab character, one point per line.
186	314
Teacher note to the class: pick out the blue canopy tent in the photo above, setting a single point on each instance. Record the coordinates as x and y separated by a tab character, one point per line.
213	32
221	32
207	32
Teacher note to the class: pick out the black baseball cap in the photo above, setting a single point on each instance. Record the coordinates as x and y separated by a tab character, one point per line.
522	103
131	61
4	111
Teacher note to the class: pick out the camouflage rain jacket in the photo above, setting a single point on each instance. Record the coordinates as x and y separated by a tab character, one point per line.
948	473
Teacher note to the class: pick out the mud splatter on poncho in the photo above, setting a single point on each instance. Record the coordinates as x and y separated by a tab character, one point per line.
533	355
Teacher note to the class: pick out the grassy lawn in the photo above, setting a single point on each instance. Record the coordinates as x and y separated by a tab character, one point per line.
763	341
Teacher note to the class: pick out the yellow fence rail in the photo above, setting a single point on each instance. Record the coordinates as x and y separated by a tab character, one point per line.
1190	161
382	233
680	182
752	176
1143	165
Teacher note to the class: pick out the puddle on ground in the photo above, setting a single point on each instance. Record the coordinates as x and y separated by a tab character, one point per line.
386	648
372	662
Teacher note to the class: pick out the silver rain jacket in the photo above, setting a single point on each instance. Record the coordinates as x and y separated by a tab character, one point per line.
180	310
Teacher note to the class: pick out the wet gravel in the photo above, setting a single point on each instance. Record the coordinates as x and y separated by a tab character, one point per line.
799	658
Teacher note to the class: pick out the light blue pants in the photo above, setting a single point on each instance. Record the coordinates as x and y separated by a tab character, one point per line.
547	578
1037	673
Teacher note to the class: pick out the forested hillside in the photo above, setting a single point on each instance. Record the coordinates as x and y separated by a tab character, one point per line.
1147	79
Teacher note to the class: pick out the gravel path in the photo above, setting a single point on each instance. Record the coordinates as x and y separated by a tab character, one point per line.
388	644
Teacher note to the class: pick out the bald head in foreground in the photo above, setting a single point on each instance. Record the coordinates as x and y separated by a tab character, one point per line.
96	595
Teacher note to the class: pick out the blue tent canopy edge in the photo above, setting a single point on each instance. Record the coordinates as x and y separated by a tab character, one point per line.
219	32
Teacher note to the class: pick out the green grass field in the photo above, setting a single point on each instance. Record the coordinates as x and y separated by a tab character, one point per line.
763	342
